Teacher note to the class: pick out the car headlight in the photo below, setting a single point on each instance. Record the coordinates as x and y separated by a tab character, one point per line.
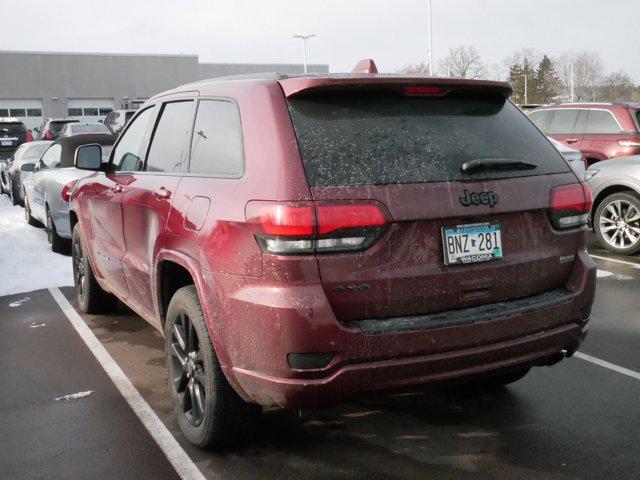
588	175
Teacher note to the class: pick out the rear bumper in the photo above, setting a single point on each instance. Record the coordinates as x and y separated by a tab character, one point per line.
262	324
537	349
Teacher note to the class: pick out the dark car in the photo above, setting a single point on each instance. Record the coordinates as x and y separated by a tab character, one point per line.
13	133
599	130
51	127
117	119
300	239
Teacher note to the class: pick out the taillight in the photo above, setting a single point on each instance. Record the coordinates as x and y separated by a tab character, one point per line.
425	91
48	135
629	143
287	228
569	205
66	191
29	136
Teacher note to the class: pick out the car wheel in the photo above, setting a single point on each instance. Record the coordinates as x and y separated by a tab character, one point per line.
210	412
91	297
58	244
617	223
27	214
15	198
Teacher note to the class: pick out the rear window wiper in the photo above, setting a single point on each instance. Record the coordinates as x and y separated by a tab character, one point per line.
495	164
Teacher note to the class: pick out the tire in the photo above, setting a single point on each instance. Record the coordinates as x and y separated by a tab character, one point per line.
15	198
500	380
58	244
221	418
91	297
616	223
27	214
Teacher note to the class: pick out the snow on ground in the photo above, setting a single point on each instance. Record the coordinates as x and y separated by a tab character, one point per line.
26	260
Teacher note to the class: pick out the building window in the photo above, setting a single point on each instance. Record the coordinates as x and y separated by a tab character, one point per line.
4	112
75	112
105	111
17	112
90	112
34	112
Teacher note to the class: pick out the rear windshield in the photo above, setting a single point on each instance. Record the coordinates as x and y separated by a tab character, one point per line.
12	129
89	129
350	139
56	126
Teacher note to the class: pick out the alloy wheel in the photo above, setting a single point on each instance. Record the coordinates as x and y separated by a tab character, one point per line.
49	228
187	374
79	274
619	224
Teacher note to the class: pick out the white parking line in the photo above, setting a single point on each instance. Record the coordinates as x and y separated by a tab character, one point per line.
605	364
178	458
624	262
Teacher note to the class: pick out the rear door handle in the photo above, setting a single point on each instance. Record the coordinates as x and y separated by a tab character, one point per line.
162	193
571	140
117	188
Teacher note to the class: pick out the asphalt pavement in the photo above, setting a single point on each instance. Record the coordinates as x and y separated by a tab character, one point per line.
576	420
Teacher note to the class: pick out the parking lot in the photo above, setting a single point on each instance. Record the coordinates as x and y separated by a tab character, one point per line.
70	412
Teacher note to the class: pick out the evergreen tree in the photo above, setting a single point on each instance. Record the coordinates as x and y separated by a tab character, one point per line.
546	82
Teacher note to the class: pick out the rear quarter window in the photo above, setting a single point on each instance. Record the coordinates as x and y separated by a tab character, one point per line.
349	139
216	148
601	121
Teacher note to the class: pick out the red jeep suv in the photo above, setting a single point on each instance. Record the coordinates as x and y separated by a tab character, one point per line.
599	130
302	239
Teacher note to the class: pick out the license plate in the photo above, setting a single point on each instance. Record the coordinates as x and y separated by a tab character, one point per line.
479	242
6	143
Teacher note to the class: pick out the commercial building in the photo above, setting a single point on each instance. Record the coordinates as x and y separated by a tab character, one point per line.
87	86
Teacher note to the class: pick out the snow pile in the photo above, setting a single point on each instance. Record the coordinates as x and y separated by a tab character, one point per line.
26	260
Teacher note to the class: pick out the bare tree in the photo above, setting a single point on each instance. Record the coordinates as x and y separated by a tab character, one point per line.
526	55
421	68
463	62
587	73
616	86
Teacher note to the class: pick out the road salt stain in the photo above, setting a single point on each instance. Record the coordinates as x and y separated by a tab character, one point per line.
19	302
74	396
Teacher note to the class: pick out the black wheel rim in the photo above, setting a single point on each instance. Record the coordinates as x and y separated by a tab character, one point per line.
79	274
49	231
186	369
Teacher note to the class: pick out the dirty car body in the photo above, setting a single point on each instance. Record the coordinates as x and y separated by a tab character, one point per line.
331	259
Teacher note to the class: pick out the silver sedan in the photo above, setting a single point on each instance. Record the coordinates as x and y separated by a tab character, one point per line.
615	216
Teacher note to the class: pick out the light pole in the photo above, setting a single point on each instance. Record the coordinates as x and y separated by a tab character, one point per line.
526	96
572	81
430	53
304	39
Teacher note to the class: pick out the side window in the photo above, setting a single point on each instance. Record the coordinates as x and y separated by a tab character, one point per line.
540	119
563	121
169	148
601	121
581	122
51	158
216	148
128	152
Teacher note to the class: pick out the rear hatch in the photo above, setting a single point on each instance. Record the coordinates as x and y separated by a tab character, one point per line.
449	168
12	135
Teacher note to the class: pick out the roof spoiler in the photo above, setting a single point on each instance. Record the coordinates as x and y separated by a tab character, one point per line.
360	83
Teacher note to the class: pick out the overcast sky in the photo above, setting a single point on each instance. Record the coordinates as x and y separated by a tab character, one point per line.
392	32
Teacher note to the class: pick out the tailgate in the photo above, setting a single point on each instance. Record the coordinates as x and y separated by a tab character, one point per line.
406	151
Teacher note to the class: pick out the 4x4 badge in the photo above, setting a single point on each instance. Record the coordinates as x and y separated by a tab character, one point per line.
482	198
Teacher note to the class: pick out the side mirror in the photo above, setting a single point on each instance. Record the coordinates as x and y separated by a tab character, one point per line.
27	167
89	157
100	121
